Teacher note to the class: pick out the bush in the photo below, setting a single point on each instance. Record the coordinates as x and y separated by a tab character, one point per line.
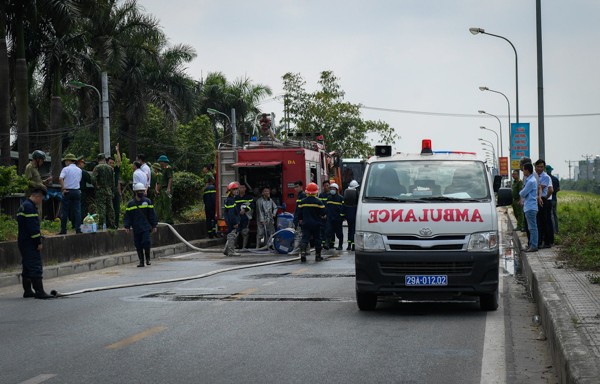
187	189
10	182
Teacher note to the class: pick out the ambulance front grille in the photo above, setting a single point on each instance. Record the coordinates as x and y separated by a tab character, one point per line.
425	268
415	247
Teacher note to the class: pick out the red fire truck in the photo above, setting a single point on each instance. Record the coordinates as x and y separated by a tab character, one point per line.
274	164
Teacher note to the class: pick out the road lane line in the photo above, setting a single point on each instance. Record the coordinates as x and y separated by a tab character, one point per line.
135	338
39	379
239	295
493	361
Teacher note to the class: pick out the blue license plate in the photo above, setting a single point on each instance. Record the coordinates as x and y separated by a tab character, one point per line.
426	280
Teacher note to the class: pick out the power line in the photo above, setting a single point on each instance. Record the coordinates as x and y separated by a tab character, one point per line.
426	113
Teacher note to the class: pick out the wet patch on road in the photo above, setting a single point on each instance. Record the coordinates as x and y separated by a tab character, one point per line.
171	296
301	275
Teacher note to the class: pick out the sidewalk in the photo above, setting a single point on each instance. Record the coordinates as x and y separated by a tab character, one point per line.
569	306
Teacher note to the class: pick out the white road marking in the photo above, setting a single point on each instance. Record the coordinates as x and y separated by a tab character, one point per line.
493	361
39	379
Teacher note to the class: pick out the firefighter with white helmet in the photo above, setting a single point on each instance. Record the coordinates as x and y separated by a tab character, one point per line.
310	216
232	218
335	218
140	216
350	212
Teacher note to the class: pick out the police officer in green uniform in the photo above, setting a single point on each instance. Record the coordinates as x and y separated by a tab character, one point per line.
164	190
86	192
104	181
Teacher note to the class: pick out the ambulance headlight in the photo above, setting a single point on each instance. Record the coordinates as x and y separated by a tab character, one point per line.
483	241
368	241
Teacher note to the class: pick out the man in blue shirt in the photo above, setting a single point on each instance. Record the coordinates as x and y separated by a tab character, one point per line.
530	205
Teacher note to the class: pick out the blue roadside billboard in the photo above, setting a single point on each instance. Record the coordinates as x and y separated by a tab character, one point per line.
519	143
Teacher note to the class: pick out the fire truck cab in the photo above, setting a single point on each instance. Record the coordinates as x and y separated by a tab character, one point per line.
427	227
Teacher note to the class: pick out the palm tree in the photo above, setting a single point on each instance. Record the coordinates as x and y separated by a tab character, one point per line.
4	91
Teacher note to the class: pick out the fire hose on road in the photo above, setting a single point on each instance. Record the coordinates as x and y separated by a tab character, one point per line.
207	274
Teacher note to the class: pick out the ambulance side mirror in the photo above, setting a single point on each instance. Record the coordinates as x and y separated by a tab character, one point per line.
497	182
504	197
351	196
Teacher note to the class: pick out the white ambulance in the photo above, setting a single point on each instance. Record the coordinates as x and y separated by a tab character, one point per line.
427	227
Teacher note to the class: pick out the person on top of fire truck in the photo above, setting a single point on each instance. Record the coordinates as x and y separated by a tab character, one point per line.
335	218
265	127
232	218
310	216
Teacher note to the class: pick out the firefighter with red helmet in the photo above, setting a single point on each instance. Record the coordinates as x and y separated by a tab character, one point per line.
310	216
232	218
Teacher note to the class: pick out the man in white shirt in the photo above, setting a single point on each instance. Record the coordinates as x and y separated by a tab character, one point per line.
70	179
146	169
139	176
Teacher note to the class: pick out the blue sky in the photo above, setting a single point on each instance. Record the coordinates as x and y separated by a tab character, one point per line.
413	55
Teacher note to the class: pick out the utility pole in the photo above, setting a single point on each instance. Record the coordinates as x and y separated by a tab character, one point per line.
570	166
587	165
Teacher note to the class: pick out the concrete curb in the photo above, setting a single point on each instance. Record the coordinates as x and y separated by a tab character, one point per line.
107	261
573	358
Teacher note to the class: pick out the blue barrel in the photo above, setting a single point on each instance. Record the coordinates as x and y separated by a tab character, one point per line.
285	220
283	240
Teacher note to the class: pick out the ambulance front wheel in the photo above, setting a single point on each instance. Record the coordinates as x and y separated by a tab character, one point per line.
366	301
488	301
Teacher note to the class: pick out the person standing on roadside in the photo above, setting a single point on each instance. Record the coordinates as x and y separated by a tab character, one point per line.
299	188
335	218
138	175
266	210
154	176
86	192
115	163
145	168
70	179
517	185
350	212
530	205
554	199
209	197
32	174
311	216
323	196
546	239
164	190
30	245
104	181
244	199
140	216
232	218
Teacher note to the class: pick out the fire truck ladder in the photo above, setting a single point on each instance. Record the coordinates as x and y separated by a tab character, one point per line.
227	157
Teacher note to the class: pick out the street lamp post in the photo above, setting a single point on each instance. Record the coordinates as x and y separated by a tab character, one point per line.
489	144
499	122
476	31
78	85
231	121
494	132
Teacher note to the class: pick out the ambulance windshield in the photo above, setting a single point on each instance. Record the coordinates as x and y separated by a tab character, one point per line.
432	180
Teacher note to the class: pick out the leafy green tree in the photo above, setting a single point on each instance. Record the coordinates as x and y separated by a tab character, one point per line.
10	182
325	112
195	143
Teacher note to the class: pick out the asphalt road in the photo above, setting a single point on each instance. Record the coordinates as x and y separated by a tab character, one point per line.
285	323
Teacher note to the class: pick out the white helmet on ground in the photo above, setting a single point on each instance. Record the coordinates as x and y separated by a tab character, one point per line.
139	187
353	184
